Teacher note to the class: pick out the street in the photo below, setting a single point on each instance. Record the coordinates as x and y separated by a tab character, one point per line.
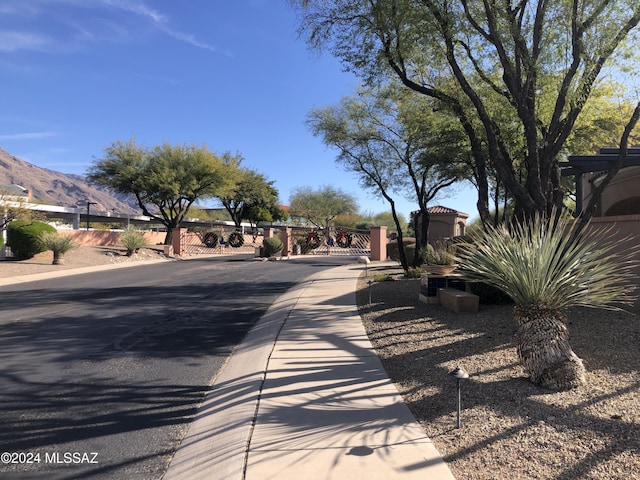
101	373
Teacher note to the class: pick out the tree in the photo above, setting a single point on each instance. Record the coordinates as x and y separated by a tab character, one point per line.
320	206
249	195
12	208
165	180
396	144
480	59
366	220
547	265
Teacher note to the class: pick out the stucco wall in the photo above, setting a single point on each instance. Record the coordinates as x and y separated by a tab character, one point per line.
625	233
108	238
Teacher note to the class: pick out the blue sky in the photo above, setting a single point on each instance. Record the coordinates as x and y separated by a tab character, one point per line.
78	75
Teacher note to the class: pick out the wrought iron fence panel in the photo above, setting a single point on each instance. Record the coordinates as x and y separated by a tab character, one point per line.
218	241
338	241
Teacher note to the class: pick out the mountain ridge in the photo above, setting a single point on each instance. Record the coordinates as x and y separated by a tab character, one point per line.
62	189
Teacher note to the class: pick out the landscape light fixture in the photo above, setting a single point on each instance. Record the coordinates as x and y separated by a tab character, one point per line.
459	374
366	262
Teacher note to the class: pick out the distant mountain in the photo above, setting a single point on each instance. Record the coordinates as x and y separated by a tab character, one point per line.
55	188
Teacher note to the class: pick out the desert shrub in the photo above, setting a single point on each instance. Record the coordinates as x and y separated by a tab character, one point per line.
441	253
382	277
409	249
58	244
23	238
272	246
133	240
413	272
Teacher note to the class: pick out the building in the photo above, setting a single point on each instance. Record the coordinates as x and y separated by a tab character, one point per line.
622	195
14	193
445	223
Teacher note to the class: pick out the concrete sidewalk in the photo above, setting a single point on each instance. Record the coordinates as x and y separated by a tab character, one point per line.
305	397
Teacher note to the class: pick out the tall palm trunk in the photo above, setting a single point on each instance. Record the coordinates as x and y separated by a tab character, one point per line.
544	350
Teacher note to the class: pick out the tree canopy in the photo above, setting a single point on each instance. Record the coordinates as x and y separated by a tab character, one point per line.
248	194
396	145
320	206
494	66
165	180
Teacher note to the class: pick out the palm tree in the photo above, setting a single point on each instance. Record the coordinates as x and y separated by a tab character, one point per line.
547	266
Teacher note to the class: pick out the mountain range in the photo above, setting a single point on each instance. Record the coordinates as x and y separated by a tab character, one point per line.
56	188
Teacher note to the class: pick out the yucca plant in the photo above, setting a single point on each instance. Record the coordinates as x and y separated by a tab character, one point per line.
133	241
58	244
547	266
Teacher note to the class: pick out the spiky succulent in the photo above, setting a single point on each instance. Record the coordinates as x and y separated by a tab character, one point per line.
551	263
58	244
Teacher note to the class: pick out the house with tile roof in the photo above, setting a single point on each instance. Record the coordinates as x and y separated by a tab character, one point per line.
445	222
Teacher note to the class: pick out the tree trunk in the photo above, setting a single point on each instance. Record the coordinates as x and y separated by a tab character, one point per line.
401	253
421	228
544	350
58	258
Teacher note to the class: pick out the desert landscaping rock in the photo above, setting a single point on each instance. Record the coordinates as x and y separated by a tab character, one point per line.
510	428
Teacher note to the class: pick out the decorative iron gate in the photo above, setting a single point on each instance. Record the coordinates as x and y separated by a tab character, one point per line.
303	241
337	241
217	241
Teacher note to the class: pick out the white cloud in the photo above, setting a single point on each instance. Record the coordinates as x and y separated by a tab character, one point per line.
160	21
139	9
26	136
188	38
13	41
82	28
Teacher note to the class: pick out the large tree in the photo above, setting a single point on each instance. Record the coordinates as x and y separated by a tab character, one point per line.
396	145
601	123
248	194
480	58
165	180
321	206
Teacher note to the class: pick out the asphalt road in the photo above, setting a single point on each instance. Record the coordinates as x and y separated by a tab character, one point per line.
101	373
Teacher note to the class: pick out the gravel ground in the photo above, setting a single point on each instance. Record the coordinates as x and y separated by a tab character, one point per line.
77	258
510	429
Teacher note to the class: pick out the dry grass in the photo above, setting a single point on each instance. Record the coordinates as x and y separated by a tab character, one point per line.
511	429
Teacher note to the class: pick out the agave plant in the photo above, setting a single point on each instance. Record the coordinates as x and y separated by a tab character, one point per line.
547	266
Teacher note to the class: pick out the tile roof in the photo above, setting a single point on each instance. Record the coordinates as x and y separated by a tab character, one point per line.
438	209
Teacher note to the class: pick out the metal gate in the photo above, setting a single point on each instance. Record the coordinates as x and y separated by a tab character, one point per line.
217	241
336	241
303	241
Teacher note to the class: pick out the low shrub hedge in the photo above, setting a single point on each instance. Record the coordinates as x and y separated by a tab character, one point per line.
272	246
409	249
24	238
